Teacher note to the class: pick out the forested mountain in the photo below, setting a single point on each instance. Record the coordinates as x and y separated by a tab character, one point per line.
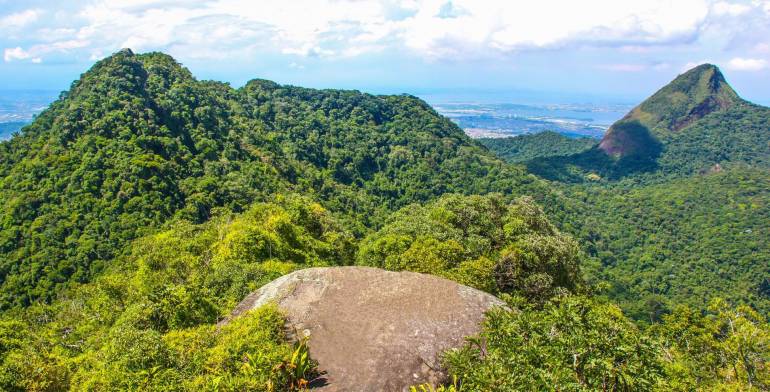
149	321
687	99
523	148
143	205
694	124
137	140
672	206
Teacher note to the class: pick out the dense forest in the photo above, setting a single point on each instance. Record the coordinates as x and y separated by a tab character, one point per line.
148	321
137	140
526	147
679	213
144	204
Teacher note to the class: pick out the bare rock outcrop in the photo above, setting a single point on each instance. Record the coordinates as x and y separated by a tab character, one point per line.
375	330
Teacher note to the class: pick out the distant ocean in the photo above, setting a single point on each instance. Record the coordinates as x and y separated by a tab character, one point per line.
19	107
503	115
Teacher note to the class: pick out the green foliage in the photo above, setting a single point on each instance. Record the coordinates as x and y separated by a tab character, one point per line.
299	370
143	205
137	142
680	216
727	348
247	354
575	343
481	241
523	148
682	242
571	344
149	321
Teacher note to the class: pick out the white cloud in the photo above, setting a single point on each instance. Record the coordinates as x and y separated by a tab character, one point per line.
16	53
727	8
348	28
37	51
19	19
744	64
551	23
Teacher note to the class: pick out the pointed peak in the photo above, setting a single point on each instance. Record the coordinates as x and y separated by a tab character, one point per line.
685	100
703	67
700	83
127	72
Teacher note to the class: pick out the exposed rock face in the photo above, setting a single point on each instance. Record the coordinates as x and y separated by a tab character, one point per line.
375	330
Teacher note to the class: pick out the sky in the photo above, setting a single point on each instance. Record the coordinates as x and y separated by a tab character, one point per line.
618	51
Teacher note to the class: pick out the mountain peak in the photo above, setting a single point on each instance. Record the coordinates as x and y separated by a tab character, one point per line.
688	98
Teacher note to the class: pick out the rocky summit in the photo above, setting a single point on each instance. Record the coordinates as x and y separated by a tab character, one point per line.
371	329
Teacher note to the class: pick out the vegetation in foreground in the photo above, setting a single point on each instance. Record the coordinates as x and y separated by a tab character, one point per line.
150	322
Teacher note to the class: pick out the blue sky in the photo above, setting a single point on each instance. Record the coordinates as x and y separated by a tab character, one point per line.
590	49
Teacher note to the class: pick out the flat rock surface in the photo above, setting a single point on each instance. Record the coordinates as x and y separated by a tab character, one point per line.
375	330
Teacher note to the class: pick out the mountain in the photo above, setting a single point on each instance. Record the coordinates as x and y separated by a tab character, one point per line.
687	99
695	124
143	205
671	205
138	141
683	241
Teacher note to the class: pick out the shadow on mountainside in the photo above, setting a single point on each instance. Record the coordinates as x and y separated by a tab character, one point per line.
631	149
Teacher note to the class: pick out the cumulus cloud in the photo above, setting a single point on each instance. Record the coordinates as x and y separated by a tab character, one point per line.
19	19
506	26
36	52
16	53
437	29
733	9
744	64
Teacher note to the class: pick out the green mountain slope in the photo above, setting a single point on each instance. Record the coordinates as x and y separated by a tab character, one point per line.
522	148
138	140
688	98
672	205
149	321
144	204
691	125
686	241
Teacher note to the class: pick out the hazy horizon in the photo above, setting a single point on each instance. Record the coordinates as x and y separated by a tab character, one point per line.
606	50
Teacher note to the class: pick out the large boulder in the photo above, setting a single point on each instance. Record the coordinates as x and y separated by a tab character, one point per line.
375	330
